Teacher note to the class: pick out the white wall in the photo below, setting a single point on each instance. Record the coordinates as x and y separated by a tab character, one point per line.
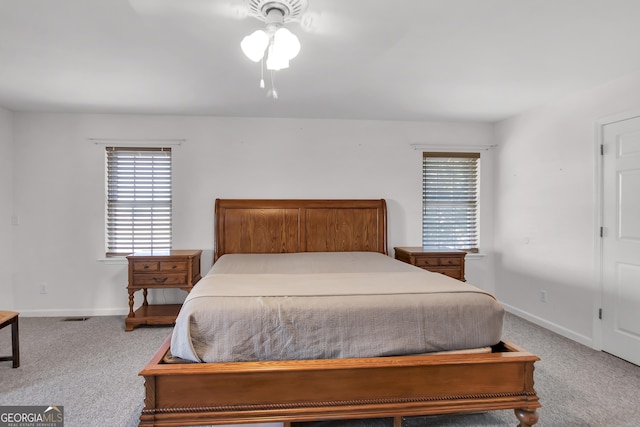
545	225
59	189
6	209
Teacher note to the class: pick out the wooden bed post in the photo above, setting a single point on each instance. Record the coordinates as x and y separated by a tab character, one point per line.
149	401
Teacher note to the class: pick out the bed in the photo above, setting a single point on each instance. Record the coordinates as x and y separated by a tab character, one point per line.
305	389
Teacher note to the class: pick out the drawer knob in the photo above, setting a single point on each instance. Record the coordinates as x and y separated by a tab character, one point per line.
160	280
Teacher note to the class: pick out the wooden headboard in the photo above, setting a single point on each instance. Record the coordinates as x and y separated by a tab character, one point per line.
284	226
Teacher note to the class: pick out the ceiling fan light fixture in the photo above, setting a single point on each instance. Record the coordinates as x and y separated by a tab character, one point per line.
284	47
255	44
277	43
287	42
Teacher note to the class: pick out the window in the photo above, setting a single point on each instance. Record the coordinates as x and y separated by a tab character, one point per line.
450	200
138	200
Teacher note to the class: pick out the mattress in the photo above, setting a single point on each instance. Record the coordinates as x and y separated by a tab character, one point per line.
253	307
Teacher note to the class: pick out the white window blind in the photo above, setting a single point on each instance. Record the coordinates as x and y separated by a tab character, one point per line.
450	200
138	200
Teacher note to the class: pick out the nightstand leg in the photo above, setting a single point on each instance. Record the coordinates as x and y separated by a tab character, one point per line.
144	293
131	303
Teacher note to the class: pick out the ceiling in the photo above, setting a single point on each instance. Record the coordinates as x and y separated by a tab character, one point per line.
478	60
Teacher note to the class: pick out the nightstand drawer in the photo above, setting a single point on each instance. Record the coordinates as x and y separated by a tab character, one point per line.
449	261
160	279
173	266
146	266
451	272
427	261
434	261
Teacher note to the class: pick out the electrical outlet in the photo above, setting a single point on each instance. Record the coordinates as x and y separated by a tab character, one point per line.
543	296
43	288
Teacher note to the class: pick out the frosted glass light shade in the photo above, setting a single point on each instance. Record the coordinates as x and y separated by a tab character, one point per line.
275	59
255	44
287	43
285	46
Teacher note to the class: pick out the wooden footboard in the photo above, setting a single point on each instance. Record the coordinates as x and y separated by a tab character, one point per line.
305	390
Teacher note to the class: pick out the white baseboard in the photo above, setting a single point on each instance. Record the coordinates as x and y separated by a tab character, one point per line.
74	313
560	330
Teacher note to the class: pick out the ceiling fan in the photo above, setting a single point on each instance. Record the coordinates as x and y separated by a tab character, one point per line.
274	45
275	42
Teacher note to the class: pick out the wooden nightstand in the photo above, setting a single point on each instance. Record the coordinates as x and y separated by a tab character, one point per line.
439	260
160	270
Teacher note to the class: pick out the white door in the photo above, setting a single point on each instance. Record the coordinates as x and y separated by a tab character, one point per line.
621	239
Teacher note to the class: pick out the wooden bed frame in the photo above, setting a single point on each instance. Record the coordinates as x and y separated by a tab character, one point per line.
307	390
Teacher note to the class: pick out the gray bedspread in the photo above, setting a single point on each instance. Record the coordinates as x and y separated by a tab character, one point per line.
329	305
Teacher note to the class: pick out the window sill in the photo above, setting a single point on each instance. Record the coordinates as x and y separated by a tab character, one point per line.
116	260
474	255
